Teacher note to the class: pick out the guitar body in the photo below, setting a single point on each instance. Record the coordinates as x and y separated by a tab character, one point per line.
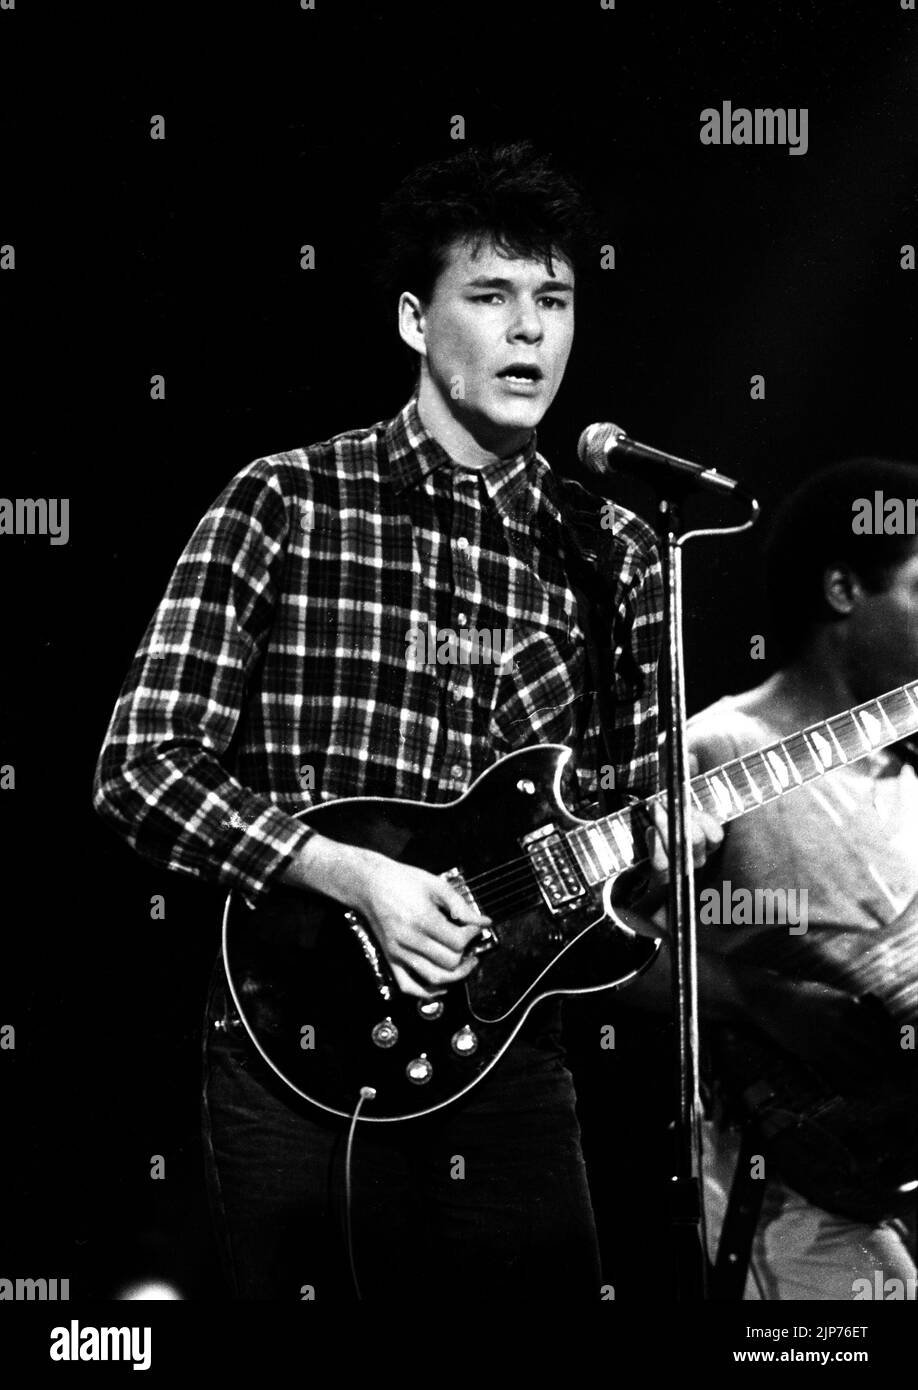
316	995
319	1002
853	1153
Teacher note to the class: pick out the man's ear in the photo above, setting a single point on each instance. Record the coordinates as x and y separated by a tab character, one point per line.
841	588
411	322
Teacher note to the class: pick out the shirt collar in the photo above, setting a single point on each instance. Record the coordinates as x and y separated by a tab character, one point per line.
413	453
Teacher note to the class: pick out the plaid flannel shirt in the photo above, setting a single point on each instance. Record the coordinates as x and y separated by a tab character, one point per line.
277	670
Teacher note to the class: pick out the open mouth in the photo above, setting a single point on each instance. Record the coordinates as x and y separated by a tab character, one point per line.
526	372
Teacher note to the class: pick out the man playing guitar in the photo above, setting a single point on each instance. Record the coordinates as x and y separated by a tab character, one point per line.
276	674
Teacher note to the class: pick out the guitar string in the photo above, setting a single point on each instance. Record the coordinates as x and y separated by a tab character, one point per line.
524	861
748	800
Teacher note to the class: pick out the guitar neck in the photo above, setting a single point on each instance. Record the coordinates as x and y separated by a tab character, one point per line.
614	843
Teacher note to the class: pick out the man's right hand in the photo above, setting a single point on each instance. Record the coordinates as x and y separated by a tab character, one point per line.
421	922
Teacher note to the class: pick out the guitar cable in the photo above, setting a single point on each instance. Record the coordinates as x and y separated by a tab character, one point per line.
366	1093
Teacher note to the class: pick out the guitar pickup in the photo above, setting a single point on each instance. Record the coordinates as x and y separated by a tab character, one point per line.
554	868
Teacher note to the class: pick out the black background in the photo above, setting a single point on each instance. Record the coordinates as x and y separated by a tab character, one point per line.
181	257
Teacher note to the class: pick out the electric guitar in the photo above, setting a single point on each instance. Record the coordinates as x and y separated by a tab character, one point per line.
850	1146
313	988
851	1149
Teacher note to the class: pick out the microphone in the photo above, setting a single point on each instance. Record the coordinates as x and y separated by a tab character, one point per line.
604	448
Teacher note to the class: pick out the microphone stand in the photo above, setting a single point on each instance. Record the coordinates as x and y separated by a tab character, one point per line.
601	449
691	1258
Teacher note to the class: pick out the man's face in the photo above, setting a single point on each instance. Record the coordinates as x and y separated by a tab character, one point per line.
497	334
883	641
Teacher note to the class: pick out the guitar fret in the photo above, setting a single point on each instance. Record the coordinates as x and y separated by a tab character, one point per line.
904	711
756	790
779	766
735	792
823	749
863	725
889	724
817	760
603	851
721	797
623	839
841	752
588	864
793	748
702	790
872	727
770	770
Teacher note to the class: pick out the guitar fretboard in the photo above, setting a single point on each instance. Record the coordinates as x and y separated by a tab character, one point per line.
607	846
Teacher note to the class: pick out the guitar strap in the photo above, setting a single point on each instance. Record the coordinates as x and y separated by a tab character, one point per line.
744	1207
593	615
597	678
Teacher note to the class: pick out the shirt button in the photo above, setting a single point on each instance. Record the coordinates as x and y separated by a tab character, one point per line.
463	542
458	771
462	619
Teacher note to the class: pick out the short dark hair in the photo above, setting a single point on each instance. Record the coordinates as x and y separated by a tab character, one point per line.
510	196
814	529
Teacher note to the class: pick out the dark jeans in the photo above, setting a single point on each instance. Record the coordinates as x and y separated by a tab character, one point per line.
487	1197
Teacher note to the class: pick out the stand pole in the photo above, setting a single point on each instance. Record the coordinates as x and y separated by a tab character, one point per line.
691	1261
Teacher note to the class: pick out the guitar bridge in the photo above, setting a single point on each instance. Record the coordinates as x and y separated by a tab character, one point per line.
554	868
456	879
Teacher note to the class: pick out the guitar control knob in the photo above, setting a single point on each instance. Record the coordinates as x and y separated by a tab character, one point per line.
385	1034
430	1008
465	1042
420	1070
485	941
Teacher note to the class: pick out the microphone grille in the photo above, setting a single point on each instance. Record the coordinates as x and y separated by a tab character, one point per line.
594	445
